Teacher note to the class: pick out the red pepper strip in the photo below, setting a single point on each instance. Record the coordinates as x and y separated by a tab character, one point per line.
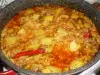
87	34
31	52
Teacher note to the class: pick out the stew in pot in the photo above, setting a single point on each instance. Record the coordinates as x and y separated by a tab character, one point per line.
50	39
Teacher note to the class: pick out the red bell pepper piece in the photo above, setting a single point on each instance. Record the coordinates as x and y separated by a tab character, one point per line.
30	52
87	34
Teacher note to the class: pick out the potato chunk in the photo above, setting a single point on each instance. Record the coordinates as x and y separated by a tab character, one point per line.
29	11
62	32
47	41
47	20
34	45
35	17
51	69
58	11
76	64
11	40
74	46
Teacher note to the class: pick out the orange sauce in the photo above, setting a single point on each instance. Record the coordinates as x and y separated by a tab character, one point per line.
61	57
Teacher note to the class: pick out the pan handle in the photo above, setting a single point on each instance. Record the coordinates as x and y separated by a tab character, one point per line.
9	72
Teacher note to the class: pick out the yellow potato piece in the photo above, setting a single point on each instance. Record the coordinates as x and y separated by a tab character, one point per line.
62	32
29	11
21	31
58	11
74	46
34	45
47	41
11	40
49	49
39	32
51	69
76	64
47	20
35	17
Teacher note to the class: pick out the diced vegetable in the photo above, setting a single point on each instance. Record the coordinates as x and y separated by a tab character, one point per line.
39	32
58	11
74	46
87	34
74	16
35	17
47	41
21	31
62	32
11	40
49	49
51	69
47	20
33	46
77	63
86	25
29	11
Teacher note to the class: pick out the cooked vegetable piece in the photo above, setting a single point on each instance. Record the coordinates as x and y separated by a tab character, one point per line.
62	32
87	34
58	11
47	20
86	25
30	52
51	69
33	46
21	31
47	41
35	17
29	11
11	40
39	32
76	64
74	46
49	49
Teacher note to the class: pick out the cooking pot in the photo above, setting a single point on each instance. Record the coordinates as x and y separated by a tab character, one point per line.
13	8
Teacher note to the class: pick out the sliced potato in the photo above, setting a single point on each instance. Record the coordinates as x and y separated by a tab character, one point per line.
49	49
62	32
35	17
47	20
29	11
11	40
39	32
51	69
34	45
87	25
47	41
58	11
76	64
21	31
74	46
